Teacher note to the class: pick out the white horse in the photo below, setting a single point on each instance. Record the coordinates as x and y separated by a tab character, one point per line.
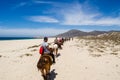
55	47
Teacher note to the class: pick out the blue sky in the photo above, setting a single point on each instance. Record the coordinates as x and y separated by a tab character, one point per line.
51	17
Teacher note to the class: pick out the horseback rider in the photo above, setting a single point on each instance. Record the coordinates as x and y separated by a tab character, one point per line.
57	41
47	49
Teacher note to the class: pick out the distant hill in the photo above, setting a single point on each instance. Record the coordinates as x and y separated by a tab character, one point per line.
110	36
74	33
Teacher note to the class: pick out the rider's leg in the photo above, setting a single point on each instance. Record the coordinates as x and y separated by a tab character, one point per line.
53	57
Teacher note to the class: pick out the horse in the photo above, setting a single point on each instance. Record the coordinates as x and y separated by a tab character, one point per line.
55	48
44	65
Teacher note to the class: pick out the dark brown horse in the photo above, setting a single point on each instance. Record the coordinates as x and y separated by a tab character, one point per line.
44	65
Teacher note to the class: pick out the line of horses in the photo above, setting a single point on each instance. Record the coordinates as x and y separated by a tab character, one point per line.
45	61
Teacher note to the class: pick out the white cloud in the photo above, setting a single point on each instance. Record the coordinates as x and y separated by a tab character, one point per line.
74	14
31	3
46	19
43	2
83	19
82	14
108	21
30	32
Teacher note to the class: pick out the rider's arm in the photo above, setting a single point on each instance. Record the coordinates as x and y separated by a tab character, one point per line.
47	46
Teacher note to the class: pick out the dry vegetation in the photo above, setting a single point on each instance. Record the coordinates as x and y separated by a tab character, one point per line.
102	44
33	46
27	54
0	55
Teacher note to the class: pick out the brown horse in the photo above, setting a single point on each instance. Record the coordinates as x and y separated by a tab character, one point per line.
44	65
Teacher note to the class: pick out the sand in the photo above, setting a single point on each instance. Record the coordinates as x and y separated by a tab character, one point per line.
76	61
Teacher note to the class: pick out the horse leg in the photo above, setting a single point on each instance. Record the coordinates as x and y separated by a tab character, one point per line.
44	77
48	77
47	73
56	52
44	74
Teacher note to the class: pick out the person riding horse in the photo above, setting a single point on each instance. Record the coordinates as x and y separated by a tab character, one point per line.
59	42
46	59
47	50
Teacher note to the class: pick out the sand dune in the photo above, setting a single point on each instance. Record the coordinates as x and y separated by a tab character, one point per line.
79	59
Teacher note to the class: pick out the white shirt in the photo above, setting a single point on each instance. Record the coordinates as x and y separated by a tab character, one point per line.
45	45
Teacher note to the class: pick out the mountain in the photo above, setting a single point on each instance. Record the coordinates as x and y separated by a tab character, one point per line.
74	33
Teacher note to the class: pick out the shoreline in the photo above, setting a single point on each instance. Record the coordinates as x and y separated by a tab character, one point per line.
17	38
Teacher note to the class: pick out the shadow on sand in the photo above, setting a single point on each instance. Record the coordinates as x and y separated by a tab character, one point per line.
58	55
53	74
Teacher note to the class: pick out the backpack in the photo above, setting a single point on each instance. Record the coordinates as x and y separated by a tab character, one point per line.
41	50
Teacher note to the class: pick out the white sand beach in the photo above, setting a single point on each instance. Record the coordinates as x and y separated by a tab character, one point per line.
78	60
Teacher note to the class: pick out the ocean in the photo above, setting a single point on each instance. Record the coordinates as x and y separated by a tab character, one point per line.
16	38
